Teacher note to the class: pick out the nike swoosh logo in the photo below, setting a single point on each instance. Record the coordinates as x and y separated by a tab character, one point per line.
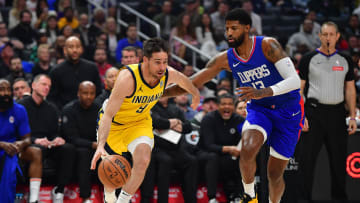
236	64
294	114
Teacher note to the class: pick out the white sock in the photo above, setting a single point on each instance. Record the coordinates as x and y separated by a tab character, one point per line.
249	188
124	197
270	200
110	197
34	189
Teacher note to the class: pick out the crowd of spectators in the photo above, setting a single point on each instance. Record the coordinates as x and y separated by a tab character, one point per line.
62	64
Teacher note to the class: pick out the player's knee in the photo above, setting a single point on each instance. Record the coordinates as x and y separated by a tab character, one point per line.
249	151
35	154
275	175
142	163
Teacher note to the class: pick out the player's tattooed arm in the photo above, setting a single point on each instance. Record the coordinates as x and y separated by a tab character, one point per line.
272	50
212	68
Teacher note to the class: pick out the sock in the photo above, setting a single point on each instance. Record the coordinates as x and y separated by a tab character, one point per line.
124	197
34	189
109	196
249	188
270	200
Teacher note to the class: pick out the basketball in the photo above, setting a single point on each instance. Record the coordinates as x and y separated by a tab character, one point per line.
114	171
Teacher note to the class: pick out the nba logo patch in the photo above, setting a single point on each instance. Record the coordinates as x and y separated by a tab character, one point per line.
11	119
161	84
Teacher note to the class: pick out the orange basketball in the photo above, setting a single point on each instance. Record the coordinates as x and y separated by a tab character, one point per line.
114	171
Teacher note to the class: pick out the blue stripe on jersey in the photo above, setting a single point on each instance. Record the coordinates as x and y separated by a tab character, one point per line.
258	72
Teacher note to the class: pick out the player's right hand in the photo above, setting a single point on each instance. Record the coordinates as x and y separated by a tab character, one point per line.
10	148
100	151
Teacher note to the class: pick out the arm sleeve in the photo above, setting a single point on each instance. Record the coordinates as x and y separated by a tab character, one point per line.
207	135
71	131
159	122
291	79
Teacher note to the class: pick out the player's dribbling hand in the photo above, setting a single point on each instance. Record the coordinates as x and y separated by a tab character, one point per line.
100	151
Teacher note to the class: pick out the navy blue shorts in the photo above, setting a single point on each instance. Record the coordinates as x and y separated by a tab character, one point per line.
282	125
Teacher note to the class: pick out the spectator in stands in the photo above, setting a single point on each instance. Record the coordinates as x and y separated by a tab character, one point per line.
99	19
67	31
43	65
112	35
219	133
352	28
186	32
4	38
188	70
61	6
240	108
21	89
68	19
168	155
182	102
209	104
100	59
303	41
224	83
14	123
130	40
59	47
23	31
221	91
165	19
6	53
52	30
140	53
218	20
44	124
42	12
129	56
353	43
256	27
205	36
79	126
16	71
110	78
311	15
67	76
14	13
84	30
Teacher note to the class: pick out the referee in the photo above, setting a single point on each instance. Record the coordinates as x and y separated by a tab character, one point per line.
327	82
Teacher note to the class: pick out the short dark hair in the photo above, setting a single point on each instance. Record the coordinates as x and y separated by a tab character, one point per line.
21	79
154	45
226	95
14	57
131	25
23	12
239	14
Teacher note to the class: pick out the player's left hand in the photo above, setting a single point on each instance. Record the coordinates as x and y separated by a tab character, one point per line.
352	127
195	100
248	93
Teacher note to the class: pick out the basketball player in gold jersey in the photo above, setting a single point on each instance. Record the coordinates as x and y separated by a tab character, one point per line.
126	125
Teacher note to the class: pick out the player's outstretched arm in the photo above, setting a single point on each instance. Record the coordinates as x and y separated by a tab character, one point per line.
124	86
185	83
211	70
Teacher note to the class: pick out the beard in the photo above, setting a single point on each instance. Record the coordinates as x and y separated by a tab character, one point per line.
6	102
237	41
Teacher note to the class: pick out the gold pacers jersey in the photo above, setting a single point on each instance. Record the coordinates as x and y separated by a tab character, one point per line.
137	106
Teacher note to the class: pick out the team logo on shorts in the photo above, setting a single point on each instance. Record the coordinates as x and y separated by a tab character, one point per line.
161	84
11	119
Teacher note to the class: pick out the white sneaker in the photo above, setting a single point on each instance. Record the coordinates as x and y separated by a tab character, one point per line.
58	197
110	197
